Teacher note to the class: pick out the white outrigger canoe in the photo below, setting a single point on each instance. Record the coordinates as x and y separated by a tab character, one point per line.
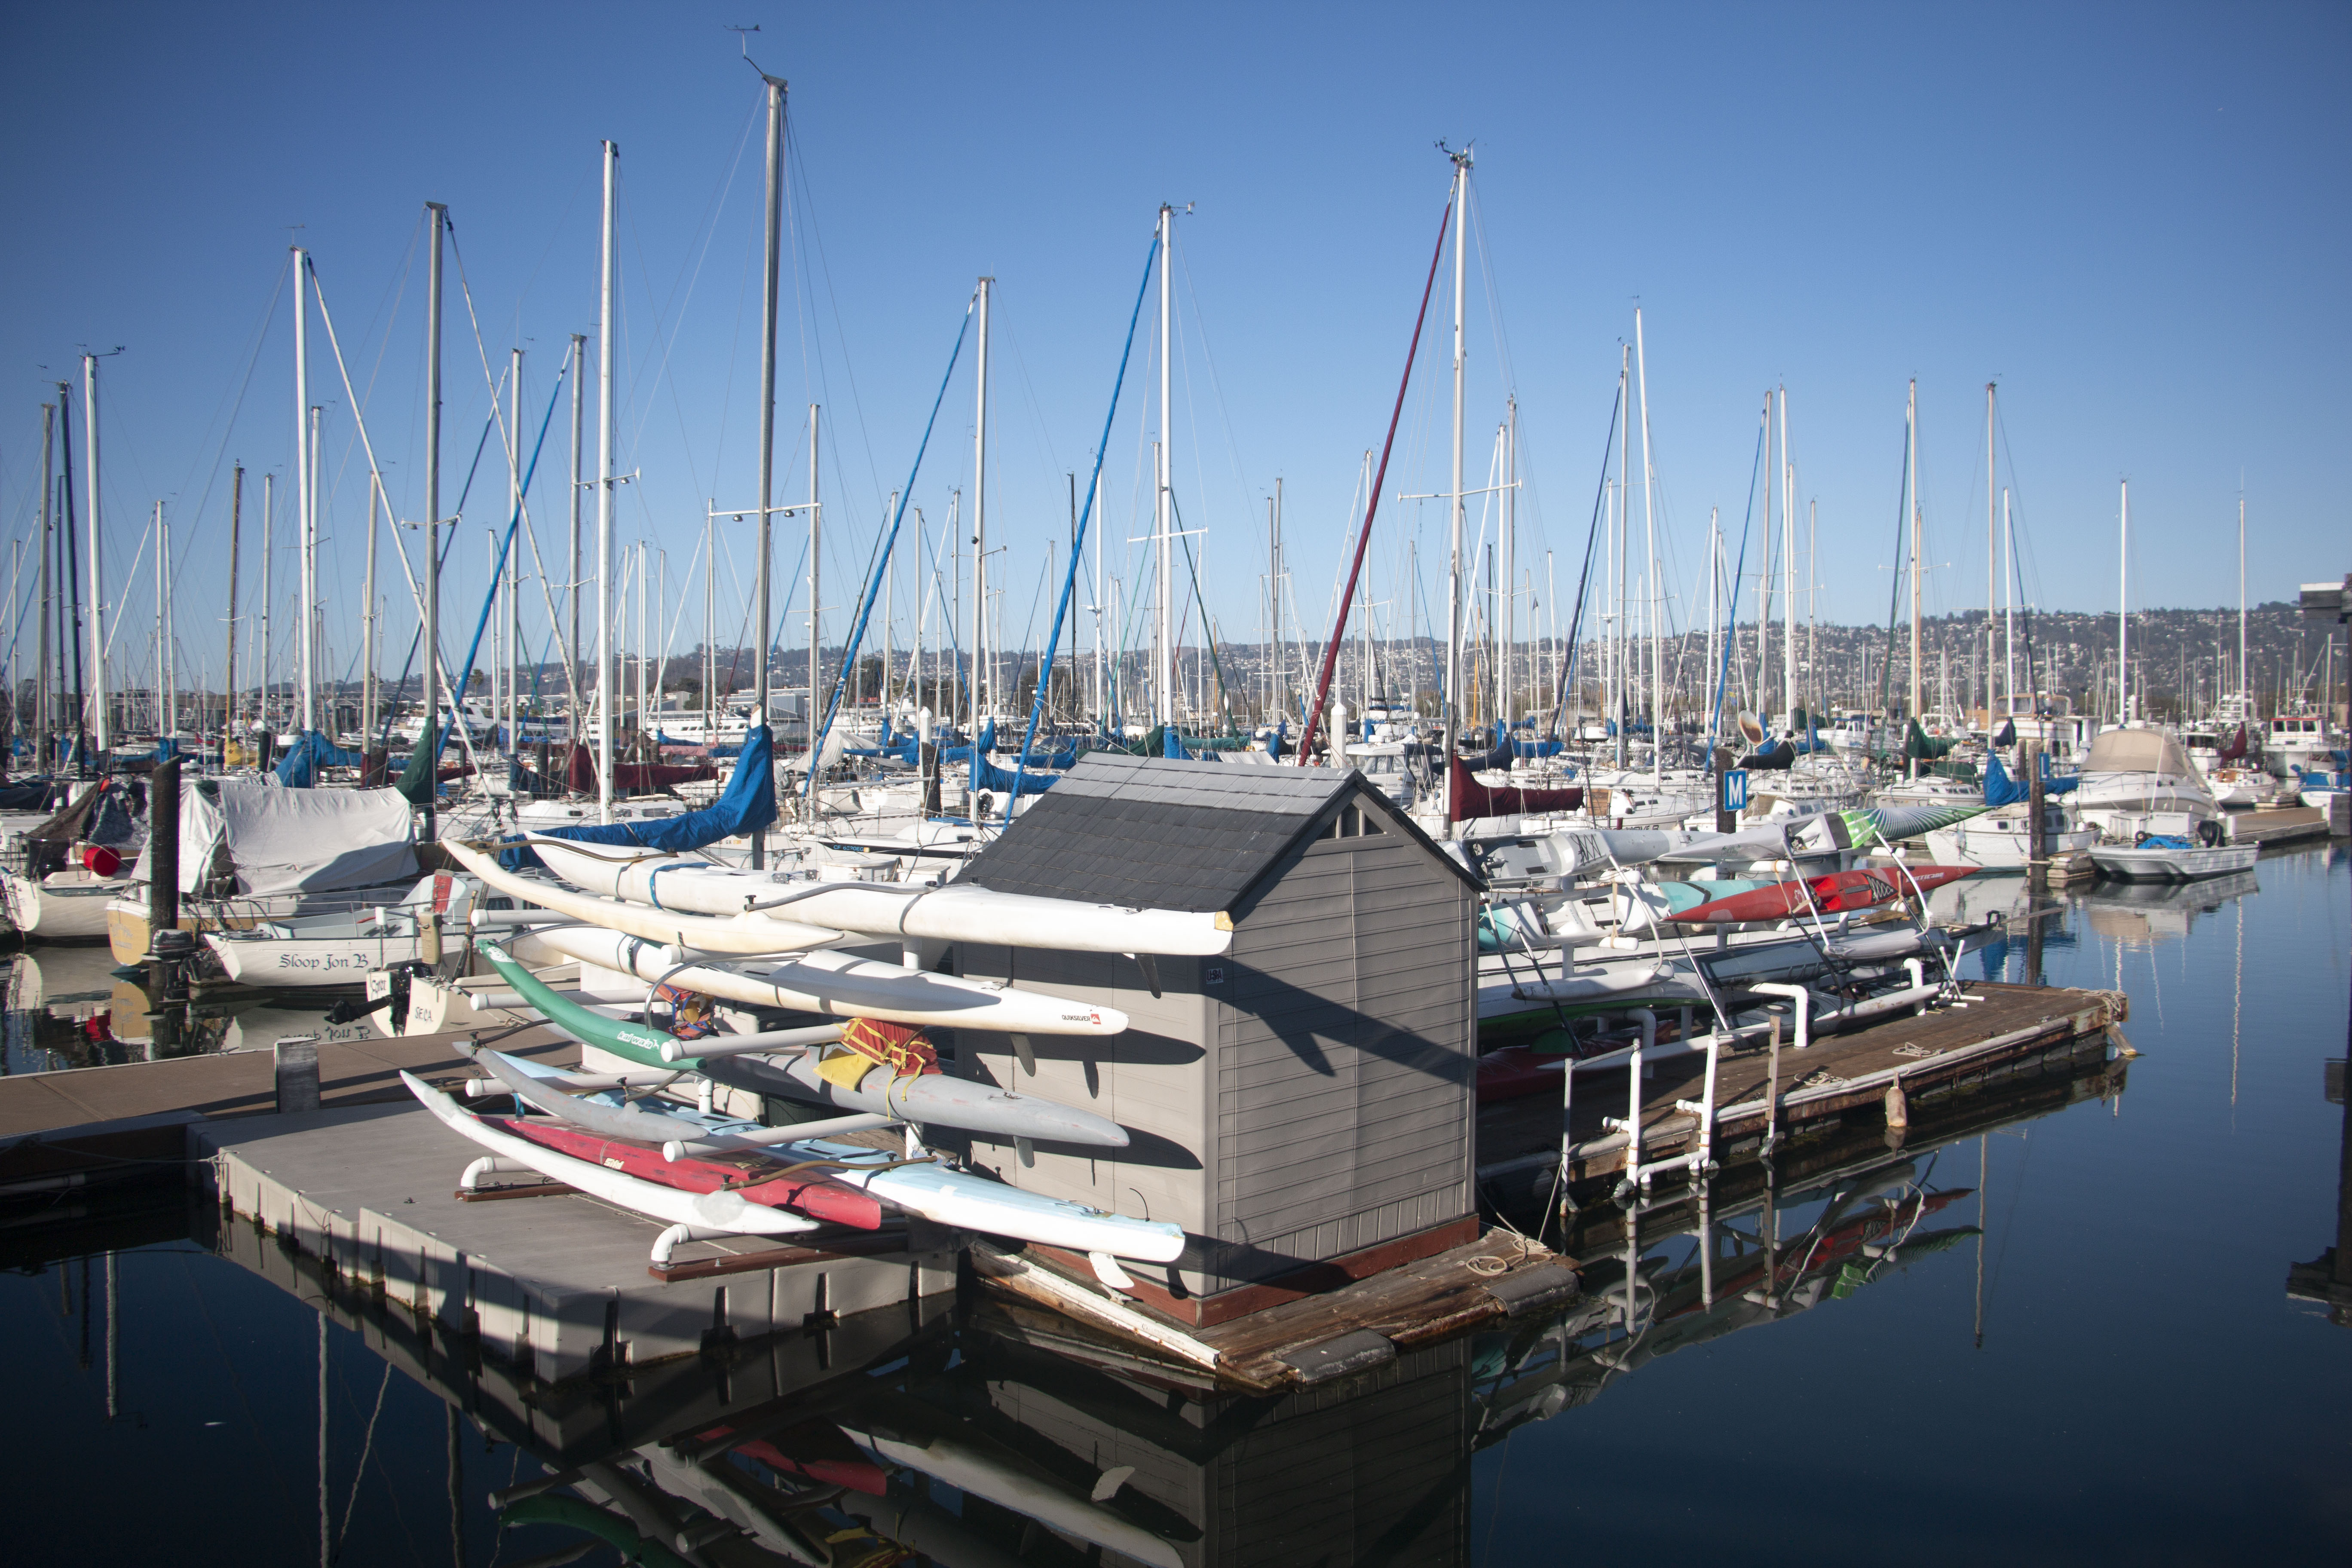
840	986
743	935
952	913
930	1189
718	1213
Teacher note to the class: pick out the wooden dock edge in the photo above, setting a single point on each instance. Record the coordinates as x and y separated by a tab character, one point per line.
1303	1343
1673	1135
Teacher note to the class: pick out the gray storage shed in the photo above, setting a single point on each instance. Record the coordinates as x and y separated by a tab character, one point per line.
1302	1105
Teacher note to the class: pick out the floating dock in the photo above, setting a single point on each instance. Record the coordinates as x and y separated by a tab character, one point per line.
1993	1030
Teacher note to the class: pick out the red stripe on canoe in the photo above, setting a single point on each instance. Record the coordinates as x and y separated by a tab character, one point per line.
812	1193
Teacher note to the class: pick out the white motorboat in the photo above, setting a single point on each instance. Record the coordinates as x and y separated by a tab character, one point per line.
2140	773
2172	861
2002	839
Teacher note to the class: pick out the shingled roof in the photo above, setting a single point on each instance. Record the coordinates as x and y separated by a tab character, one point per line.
1165	834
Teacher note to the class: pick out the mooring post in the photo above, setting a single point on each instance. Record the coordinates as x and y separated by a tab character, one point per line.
296	1061
165	947
1772	1093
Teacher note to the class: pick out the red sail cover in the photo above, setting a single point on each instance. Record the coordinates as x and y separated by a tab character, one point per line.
2234	749
1466	797
633	778
810	1192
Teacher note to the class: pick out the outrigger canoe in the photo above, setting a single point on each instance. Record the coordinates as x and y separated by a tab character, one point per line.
928	1100
934	1191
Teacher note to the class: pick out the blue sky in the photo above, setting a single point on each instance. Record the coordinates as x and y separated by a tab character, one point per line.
2132	217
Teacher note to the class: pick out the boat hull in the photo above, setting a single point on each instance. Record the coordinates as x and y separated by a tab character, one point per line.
2152	864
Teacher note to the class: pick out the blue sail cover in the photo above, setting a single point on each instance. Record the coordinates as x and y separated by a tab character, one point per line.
987	775
746	805
298	768
1999	789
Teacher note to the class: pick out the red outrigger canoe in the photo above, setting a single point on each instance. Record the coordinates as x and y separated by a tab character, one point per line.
1835	893
810	1192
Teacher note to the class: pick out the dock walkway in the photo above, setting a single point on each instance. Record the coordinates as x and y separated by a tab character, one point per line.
1993	1028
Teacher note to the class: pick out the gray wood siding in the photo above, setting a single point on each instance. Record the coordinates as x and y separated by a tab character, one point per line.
1343	1064
1307	1095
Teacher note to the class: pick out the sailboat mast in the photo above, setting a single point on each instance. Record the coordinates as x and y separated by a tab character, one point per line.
607	668
2245	707
2009	554
1617	704
303	491
2122	611
1653	603
310	584
1502	704
1162	453
1992	558
1911	481
428	735
816	604
43	718
980	672
367	622
161	566
579	429
1454	509
97	574
1788	573
513	618
770	261
268	519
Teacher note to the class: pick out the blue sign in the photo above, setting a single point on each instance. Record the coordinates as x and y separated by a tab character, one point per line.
1735	790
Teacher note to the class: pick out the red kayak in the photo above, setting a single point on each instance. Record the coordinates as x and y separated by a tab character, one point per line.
1836	893
811	1192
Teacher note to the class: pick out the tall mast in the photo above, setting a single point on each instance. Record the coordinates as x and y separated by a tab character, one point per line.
2008	557
978	655
514	557
2123	611
161	566
429	736
1653	606
303	489
97	573
1911	478
310	586
42	716
1454	506
1993	559
607	677
772	251
268	515
1164	678
579	429
1788	572
163	584
367	623
2244	706
1618	716
815	667
645	646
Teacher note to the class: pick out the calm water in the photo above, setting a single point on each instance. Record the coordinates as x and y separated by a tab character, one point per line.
2085	1353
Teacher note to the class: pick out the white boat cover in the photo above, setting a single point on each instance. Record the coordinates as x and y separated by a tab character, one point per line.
2138	752
273	839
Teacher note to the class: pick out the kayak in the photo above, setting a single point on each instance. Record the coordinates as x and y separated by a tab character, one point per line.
958	1199
952	913
723	1211
928	1100
1837	893
838	985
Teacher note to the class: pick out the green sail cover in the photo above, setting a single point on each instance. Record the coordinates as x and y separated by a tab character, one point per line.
1925	749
